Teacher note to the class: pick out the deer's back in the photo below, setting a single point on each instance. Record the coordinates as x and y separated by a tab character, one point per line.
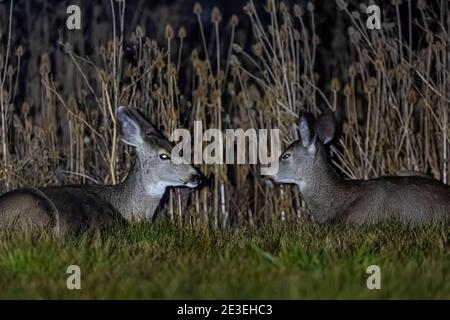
27	209
80	209
62	210
408	199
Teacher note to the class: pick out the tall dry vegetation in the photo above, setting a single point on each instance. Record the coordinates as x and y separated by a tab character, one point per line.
392	100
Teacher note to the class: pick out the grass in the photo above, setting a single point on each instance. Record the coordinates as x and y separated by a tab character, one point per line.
163	261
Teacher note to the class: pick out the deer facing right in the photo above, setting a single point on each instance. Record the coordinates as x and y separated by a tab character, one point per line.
79	208
331	198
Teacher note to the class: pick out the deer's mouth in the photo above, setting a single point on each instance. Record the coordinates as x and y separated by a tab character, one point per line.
193	181
190	185
279	180
275	180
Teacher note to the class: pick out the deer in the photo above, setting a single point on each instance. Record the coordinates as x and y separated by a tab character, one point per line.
330	198
84	207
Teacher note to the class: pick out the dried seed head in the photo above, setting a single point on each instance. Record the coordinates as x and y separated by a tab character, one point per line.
412	97
19	51
140	32
168	34
234	71
234	61
354	35
335	85
172	71
347	90
249	9
25	108
215	95
258	50
182	33
236	47
439	45
256	32
221	76
231	88
103	75
379	63
194	55
159	64
341	4
234	21
287	21
283	8
197	8
216	17
371	85
352	71
270	6
67	47
310	6
356	14
396	2
421	4
44	67
298	11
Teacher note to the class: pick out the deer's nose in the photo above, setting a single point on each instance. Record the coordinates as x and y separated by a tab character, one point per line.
196	179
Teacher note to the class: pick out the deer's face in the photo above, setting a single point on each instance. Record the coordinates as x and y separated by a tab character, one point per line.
157	169
297	164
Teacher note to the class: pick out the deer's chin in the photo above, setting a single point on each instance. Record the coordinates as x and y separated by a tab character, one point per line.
281	180
182	183
190	185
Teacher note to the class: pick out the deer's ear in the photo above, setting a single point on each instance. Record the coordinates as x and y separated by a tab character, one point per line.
304	129
325	127
130	129
147	129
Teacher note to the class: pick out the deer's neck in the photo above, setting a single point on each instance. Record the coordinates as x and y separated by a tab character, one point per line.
132	198
325	193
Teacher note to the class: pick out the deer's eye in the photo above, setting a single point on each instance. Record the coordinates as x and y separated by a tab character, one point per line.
164	156
286	156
